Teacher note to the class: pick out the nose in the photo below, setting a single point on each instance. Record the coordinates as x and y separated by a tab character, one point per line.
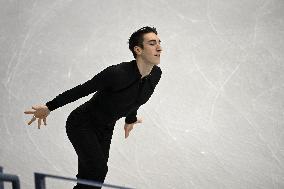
159	48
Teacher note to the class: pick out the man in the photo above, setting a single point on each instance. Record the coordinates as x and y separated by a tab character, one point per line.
120	90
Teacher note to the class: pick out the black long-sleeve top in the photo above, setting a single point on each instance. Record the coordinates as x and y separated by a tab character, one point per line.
120	90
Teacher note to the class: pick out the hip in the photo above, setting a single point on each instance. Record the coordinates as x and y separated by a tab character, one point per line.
88	115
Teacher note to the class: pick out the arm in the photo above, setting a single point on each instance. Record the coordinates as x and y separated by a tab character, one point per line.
100	81
130	120
131	117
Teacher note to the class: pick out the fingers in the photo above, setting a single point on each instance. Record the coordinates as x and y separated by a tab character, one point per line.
32	120
37	113
39	123
35	107
129	127
44	121
127	133
127	130
139	120
29	112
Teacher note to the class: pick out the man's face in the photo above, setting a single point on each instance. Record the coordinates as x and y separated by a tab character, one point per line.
152	49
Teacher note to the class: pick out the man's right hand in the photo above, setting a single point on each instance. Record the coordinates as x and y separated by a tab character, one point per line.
40	112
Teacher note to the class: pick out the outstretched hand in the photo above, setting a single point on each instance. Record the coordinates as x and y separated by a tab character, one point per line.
40	112
129	127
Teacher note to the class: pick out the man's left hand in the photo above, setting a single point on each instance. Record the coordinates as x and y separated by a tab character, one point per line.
129	127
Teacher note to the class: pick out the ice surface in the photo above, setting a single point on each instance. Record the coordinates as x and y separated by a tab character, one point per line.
216	119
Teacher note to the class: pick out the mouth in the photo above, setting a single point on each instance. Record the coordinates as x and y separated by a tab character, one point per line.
157	55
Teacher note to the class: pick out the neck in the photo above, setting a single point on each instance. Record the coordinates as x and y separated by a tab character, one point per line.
144	67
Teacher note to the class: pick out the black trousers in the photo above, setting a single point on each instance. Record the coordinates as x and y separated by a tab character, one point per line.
90	133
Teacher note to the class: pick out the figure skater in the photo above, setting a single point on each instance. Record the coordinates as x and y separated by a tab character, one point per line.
120	90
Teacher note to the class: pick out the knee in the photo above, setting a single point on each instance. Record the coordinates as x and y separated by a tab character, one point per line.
97	171
102	169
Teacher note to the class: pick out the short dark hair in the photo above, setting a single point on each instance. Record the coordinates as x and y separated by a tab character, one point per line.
136	39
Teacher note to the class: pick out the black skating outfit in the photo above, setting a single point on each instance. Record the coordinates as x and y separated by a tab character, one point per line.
120	91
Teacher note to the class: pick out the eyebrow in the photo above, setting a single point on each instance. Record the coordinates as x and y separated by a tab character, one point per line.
153	40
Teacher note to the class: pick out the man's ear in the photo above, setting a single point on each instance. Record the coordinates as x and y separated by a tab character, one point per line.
137	50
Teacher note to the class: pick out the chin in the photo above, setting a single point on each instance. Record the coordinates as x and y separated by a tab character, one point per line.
155	62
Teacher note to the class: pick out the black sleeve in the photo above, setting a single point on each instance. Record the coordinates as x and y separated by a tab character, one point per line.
131	117
102	80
